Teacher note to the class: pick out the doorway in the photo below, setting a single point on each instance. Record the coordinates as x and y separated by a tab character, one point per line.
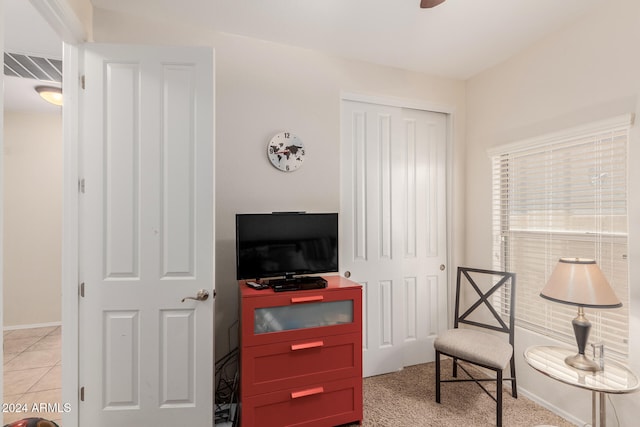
32	211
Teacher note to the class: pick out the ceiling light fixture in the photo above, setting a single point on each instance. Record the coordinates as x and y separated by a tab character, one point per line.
50	94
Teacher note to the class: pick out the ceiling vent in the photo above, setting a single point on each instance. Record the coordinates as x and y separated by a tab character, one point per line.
32	67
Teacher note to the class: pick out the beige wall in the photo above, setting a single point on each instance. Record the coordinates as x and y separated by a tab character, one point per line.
589	71
32	241
264	88
83	10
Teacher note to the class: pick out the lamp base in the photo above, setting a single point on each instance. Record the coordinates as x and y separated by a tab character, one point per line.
580	361
581	328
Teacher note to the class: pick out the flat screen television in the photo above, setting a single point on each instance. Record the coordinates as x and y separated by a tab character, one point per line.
285	245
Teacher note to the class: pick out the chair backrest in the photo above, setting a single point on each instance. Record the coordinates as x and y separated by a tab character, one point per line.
489	299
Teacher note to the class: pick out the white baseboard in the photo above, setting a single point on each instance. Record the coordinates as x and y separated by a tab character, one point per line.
32	326
537	399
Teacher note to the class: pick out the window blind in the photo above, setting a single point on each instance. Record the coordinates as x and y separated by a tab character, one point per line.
564	195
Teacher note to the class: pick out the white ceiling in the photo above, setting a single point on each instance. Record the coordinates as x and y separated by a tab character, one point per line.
457	39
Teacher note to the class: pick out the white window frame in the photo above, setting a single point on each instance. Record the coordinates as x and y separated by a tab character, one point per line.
559	193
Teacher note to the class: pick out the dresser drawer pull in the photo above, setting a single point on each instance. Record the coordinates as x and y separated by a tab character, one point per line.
306	345
313	298
309	392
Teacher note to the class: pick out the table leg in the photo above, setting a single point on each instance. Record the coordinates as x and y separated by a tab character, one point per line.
603	410
593	409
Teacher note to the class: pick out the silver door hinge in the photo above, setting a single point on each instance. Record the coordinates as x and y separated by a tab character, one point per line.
82	289
81	185
82	394
82	81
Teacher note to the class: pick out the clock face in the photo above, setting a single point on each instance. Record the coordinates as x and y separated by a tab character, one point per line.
286	151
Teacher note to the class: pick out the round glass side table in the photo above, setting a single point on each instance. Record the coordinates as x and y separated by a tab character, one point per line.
614	378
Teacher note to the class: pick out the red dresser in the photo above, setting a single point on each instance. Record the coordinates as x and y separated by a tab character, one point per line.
301	355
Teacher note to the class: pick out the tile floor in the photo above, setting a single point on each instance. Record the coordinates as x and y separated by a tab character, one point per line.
32	373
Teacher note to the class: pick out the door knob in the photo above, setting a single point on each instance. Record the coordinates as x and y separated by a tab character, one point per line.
202	295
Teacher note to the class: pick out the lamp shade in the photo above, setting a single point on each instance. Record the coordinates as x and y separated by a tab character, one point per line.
579	281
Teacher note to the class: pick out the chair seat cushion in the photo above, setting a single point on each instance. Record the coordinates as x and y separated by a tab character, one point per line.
475	346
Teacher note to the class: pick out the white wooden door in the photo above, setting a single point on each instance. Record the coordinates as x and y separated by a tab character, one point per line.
393	234
146	236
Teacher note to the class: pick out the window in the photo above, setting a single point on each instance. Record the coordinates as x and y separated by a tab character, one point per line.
564	195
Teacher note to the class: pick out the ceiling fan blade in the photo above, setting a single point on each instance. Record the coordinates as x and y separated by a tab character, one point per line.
426	4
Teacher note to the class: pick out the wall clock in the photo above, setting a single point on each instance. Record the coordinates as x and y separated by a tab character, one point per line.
286	151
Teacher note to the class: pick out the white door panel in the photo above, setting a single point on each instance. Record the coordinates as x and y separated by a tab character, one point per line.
146	216
394	228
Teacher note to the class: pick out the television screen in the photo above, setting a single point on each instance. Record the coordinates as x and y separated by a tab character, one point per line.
286	244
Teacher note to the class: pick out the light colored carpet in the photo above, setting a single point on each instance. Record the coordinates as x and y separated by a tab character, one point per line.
407	399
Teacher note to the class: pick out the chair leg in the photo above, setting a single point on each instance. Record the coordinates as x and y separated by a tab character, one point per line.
455	367
437	376
514	388
499	398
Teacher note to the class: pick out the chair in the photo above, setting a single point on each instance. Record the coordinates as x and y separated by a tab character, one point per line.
487	350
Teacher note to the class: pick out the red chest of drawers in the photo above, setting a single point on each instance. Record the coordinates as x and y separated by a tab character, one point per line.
301	356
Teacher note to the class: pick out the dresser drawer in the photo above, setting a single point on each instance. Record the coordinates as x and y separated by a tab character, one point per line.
300	315
283	365
323	404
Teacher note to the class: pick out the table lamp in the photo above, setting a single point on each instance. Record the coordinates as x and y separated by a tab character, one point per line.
579	281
